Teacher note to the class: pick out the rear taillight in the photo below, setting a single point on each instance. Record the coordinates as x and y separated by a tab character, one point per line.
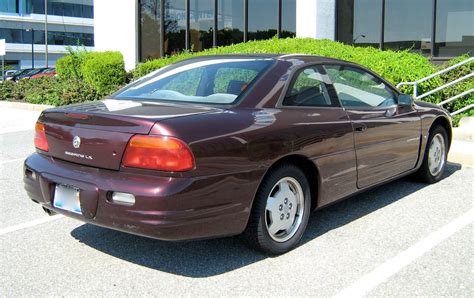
158	153
40	137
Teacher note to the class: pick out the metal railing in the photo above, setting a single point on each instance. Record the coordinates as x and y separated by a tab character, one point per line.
451	99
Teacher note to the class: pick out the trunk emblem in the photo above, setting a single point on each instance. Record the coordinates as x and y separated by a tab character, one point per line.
76	142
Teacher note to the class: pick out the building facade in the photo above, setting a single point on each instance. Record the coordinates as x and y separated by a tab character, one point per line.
147	29
22	23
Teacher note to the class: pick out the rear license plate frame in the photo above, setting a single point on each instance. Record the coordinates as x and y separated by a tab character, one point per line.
67	197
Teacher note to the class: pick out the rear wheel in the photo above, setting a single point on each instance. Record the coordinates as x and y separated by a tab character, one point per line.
281	210
434	161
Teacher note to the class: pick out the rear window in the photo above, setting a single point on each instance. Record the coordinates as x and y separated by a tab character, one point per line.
214	81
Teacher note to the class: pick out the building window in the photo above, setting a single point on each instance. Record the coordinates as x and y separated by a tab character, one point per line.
150	29
288	18
77	8
230	22
175	26
359	22
201	24
408	25
454	28
263	19
10	6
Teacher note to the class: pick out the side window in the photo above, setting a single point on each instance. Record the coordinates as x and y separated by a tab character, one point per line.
308	89
357	88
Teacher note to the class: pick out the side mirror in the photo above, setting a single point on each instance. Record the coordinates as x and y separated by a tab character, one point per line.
405	100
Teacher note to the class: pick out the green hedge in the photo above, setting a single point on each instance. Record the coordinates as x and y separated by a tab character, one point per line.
48	90
459	87
104	71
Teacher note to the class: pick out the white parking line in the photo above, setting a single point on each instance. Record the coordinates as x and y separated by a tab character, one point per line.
380	274
12	160
29	224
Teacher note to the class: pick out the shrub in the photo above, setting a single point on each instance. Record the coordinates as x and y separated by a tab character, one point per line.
6	90
105	71
459	87
70	66
49	90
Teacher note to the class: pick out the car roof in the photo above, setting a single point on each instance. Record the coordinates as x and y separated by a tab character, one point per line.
285	57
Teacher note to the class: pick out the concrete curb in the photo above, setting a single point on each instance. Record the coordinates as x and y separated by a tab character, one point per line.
24	106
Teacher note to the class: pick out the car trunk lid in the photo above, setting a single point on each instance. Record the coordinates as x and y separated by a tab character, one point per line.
96	134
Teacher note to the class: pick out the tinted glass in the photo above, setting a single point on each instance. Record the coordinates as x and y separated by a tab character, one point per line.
454	28
230	22
263	19
15	32
218	81
308	89
175	26
357	88
288	18
202	23
150	29
71	8
10	6
408	25
359	22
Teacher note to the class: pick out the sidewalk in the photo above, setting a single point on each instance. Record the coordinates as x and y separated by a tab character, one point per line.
462	147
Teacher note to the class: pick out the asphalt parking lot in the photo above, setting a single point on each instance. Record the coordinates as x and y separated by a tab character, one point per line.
404	239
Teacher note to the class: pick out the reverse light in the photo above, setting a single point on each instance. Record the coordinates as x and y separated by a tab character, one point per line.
158	153
40	137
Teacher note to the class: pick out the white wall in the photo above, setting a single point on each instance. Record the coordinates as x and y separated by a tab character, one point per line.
316	19
115	28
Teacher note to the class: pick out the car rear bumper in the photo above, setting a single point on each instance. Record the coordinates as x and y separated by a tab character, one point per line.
165	208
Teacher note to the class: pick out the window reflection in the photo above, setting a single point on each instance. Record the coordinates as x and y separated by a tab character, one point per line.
9	6
150	29
288	18
263	19
15	32
201	24
230	22
175	26
408	25
359	22
454	28
71	8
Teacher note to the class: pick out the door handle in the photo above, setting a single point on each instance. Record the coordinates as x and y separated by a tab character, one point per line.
360	127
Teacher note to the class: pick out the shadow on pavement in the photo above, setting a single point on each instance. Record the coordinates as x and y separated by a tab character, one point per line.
213	257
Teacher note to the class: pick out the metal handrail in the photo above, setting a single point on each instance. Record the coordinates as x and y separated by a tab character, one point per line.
416	83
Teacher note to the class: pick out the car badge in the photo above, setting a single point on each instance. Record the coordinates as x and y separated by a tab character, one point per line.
76	142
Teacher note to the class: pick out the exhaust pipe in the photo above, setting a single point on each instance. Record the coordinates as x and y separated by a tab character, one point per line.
49	211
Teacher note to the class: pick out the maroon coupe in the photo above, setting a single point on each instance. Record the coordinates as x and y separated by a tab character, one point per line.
224	145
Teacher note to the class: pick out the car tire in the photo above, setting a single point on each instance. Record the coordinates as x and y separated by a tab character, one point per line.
280	210
435	158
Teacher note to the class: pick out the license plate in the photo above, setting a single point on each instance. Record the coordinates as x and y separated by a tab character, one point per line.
67	198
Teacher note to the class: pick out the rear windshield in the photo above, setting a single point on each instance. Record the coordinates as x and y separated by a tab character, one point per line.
213	81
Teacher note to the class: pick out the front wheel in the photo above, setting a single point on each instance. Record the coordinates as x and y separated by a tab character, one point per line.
281	210
436	153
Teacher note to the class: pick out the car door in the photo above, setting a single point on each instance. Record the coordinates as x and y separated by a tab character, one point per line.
323	132
386	135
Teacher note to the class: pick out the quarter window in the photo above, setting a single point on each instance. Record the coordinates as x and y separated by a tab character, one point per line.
308	89
357	88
